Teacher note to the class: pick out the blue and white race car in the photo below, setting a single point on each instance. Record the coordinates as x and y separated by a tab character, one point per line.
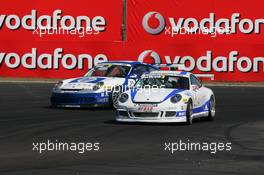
166	96
100	86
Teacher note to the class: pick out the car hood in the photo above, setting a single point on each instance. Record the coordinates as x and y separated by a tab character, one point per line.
154	95
87	83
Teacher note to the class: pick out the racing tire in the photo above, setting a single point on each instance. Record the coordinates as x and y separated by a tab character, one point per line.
211	114
115	95
189	113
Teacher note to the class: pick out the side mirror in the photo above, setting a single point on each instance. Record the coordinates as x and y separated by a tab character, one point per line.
195	87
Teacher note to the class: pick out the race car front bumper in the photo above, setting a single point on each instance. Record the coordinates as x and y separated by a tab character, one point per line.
78	99
151	117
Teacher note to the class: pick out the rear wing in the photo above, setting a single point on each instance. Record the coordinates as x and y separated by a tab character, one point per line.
211	76
179	66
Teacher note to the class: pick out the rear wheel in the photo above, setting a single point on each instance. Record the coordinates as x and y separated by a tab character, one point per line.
189	113
211	114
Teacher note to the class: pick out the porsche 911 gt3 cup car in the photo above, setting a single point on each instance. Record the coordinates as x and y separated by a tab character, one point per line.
96	87
166	96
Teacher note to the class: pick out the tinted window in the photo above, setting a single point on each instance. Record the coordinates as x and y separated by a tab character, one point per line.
109	71
168	82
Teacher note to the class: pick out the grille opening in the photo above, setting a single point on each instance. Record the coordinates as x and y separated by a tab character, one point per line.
123	113
64	100
146	114
170	114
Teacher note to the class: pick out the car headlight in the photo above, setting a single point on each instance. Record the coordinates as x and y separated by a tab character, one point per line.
98	86
58	85
176	98
123	98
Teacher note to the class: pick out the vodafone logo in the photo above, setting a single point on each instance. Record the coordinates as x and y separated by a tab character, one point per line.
55	21
206	62
150	57
153	23
50	61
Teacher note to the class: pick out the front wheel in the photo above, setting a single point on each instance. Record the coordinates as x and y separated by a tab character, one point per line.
189	113
211	114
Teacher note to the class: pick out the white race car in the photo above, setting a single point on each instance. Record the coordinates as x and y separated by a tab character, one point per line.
166	96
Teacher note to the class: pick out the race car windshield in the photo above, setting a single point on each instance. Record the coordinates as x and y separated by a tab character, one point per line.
168	82
120	71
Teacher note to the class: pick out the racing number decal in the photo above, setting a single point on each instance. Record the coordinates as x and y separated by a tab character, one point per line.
145	108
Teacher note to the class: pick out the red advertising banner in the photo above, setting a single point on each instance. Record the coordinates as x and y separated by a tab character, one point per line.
220	37
35	35
226	62
41	42
55	59
38	60
83	20
180	21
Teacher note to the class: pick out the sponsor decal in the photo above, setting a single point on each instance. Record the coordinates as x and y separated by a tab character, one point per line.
207	63
207	25
50	61
34	22
181	113
153	23
149	56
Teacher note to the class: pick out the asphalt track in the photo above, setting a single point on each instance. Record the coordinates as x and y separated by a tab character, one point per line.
129	149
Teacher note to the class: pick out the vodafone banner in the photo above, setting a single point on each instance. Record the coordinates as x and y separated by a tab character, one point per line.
220	37
62	39
196	22
57	39
60	20
36	60
227	63
54	59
